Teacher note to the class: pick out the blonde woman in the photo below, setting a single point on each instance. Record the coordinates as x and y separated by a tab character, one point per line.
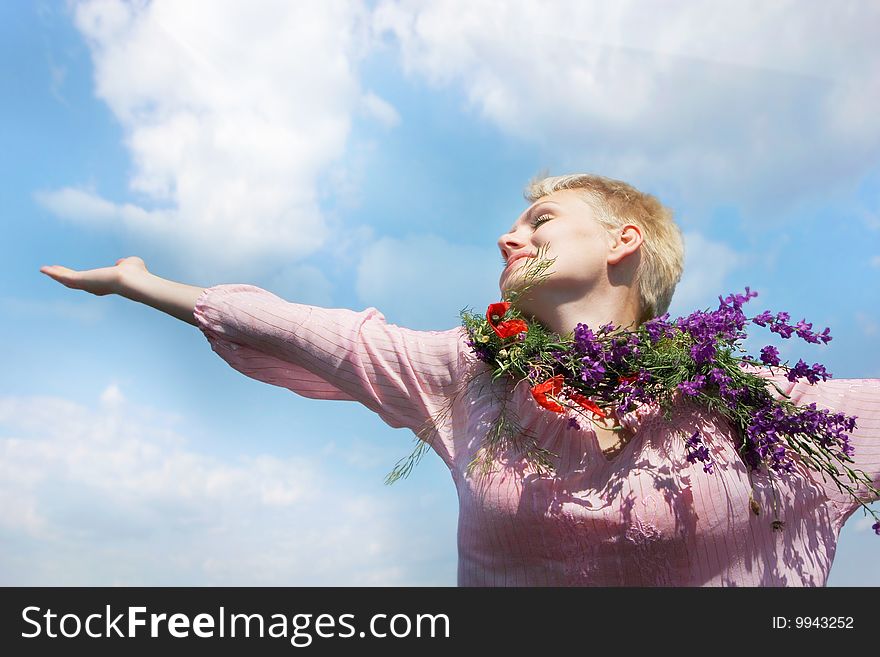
624	506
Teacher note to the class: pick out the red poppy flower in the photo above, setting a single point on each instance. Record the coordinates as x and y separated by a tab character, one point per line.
552	386
510	328
504	329
587	403
496	311
629	378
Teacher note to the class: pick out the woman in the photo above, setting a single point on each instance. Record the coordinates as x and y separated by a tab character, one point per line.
624	505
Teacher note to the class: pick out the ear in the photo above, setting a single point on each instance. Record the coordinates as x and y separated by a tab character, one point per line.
628	240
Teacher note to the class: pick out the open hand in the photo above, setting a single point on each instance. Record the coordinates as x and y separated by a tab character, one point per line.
106	280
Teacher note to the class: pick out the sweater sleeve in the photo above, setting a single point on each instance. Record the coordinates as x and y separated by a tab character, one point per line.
403	375
852	397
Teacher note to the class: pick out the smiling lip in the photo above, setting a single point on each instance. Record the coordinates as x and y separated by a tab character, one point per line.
518	257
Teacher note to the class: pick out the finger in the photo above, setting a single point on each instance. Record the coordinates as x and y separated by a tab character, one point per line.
61	274
54	269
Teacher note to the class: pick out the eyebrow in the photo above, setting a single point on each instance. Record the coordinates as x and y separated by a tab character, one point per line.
532	211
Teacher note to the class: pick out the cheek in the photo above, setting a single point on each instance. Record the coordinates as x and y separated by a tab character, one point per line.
583	262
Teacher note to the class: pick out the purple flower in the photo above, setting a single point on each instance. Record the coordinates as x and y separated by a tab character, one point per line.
770	355
558	356
592	372
725	323
657	328
703	352
718	376
803	331
573	424
730	394
693	387
623	348
587	342
769	423
737	300
818	372
804	371
780	325
654	332
481	351
876	528
802	328
763	319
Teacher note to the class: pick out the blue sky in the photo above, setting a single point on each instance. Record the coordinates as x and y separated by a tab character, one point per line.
354	155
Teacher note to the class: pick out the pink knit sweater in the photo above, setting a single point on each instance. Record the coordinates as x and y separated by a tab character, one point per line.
646	518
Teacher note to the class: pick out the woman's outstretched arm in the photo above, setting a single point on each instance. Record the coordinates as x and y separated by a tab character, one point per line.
852	397
129	278
407	377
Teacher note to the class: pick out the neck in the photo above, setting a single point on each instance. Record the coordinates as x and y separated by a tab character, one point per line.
560	316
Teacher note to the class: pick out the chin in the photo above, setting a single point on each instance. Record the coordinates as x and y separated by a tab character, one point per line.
508	282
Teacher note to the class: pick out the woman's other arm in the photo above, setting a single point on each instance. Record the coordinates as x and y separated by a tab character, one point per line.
129	278
852	397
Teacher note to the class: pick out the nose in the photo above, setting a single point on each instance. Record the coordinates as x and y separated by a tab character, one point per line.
509	243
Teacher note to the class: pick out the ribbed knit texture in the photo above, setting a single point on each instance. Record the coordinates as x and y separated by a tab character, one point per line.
648	517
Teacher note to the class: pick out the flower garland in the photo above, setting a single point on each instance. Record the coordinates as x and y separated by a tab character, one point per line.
613	370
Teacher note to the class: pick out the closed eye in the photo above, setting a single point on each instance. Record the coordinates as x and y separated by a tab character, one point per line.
537	221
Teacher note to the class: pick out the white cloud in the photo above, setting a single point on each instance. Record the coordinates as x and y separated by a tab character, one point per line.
116	495
231	113
706	267
730	98
381	110
422	281
88	209
112	396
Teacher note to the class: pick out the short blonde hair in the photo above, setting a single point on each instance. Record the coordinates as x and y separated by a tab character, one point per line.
616	204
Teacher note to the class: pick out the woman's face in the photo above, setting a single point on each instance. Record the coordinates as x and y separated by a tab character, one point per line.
563	222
